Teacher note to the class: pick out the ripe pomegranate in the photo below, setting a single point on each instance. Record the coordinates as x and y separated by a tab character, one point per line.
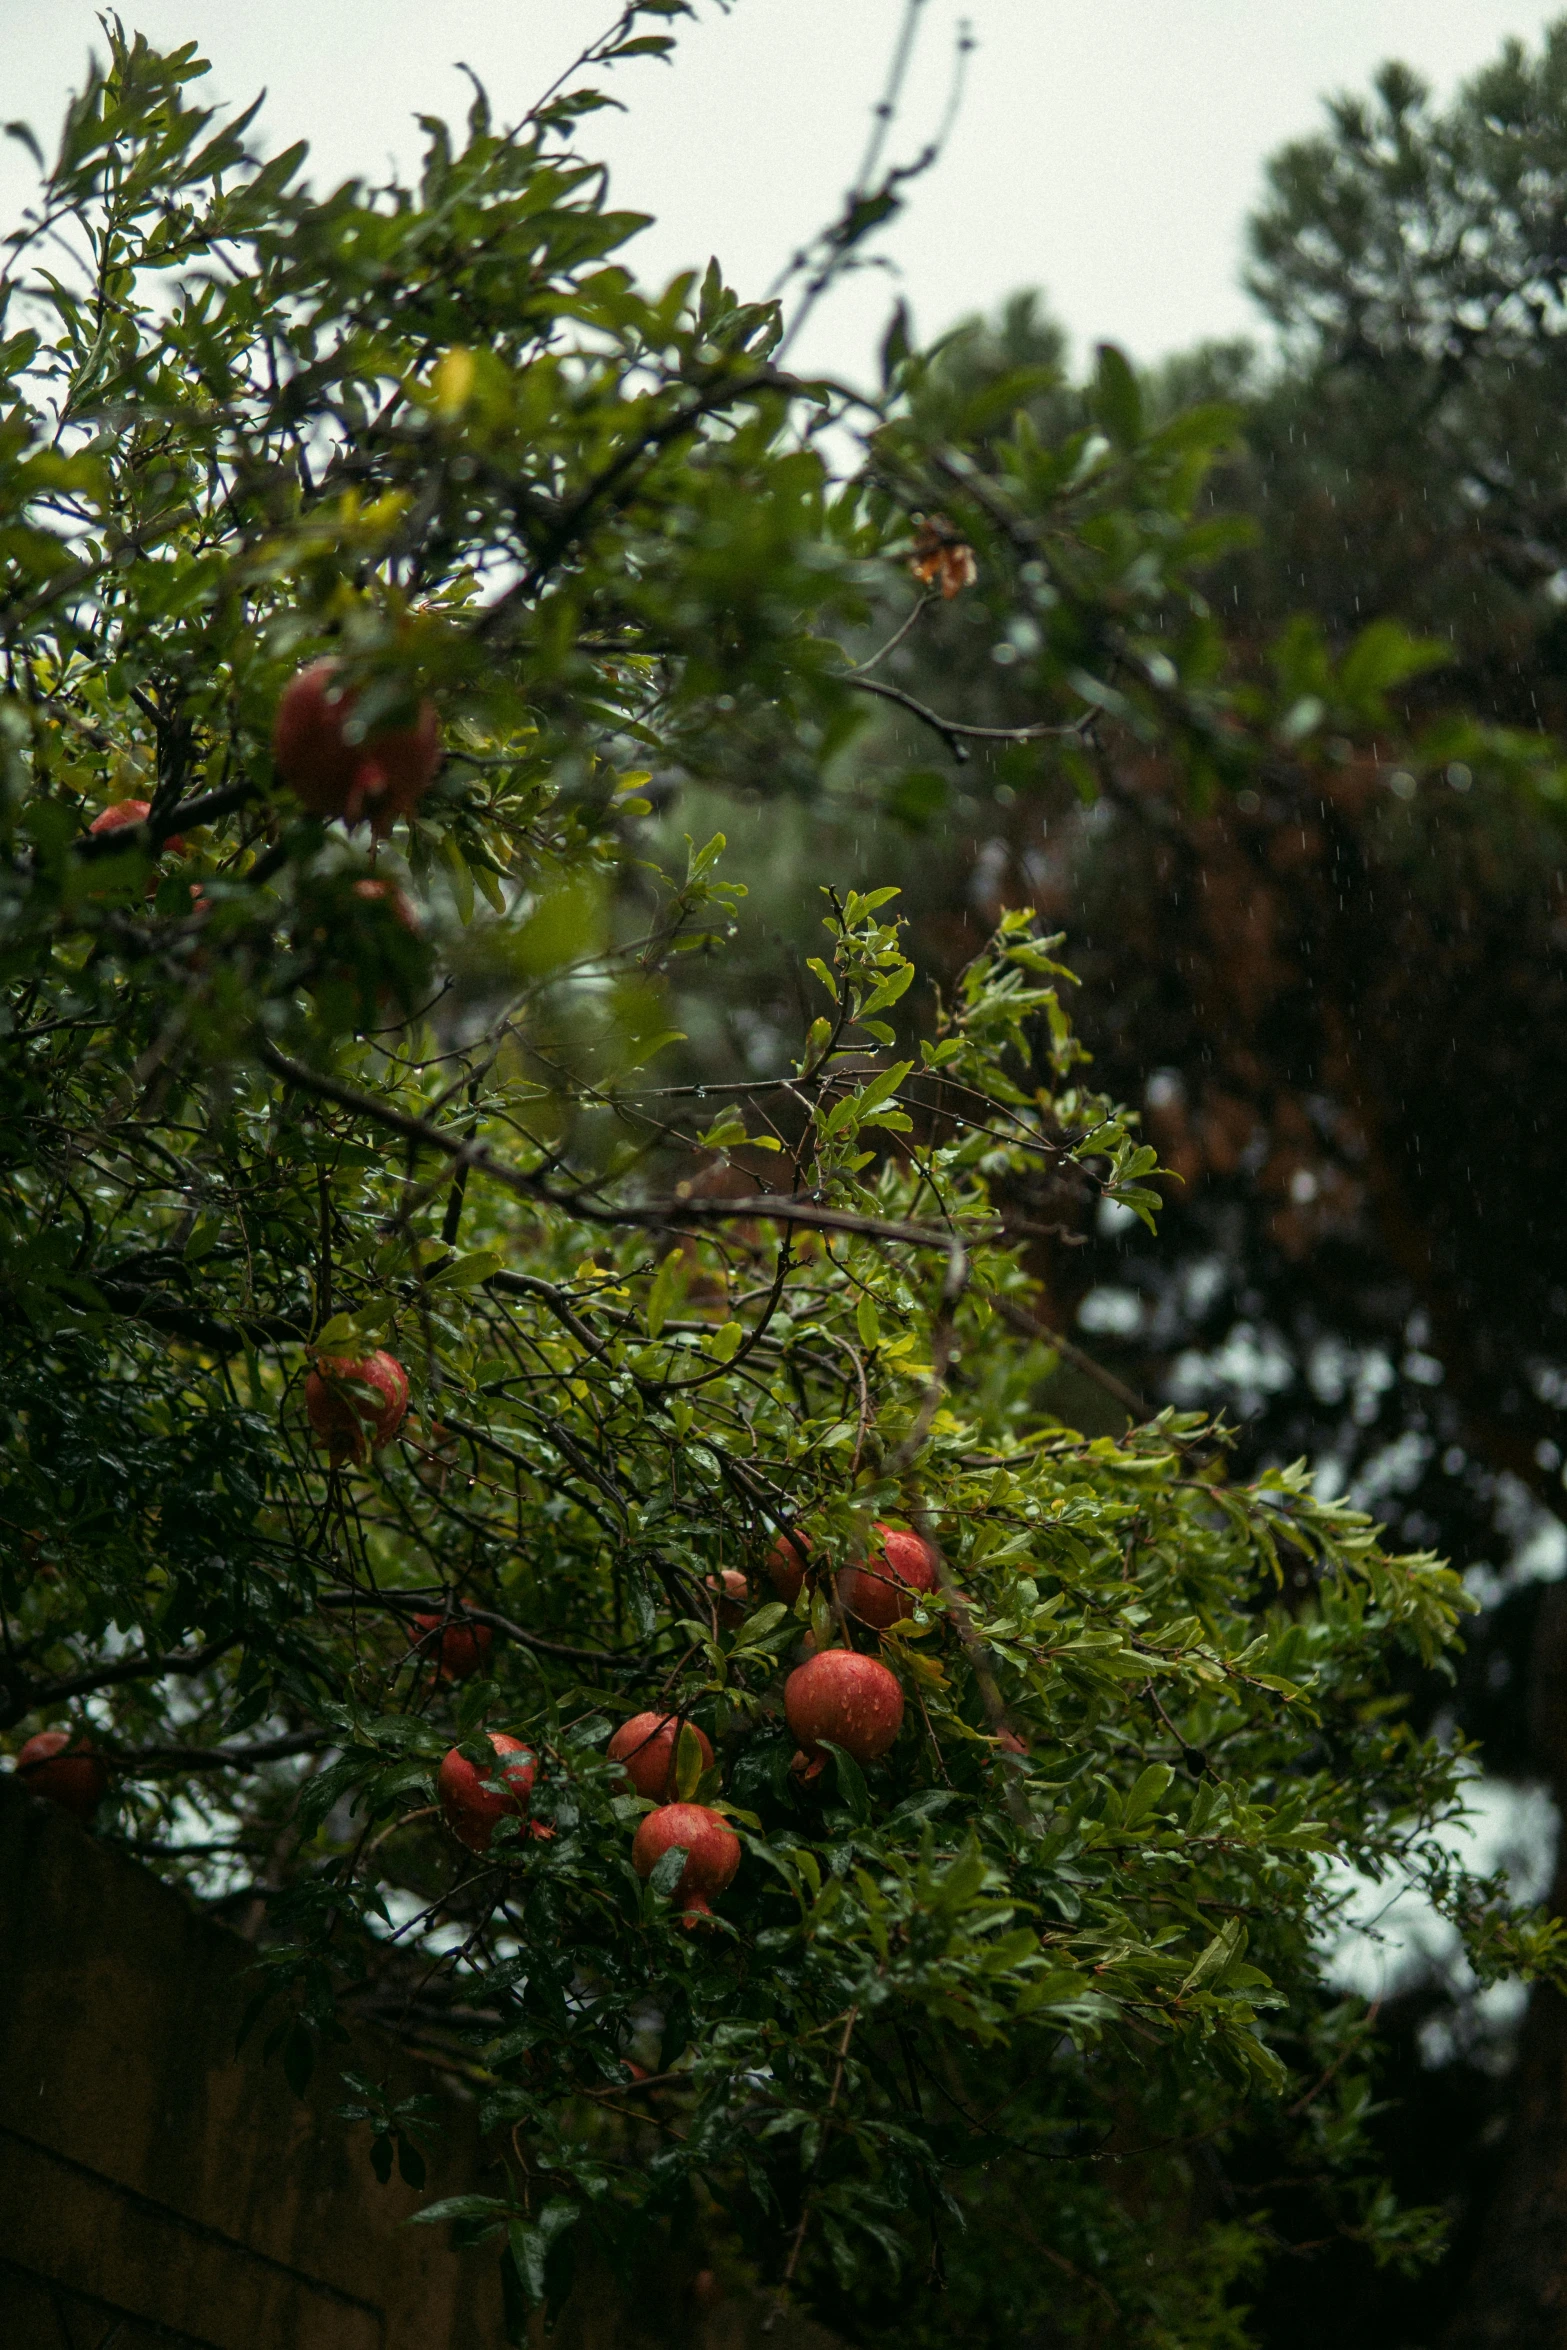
1010	1742
853	1700
787	1562
397	901
460	1649
732	1593
133	812
881	1592
333	771
66	1769
356	1403
712	1852
471	1808
646	1746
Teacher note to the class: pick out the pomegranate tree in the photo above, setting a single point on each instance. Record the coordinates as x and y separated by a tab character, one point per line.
646	1747
712	1851
356	1403
854	1701
334	768
472	1803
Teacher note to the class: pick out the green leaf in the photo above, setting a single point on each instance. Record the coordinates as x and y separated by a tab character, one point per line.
688	1762
851	1780
1226	1945
1146	1793
668	1870
532	2241
665	1291
1117	400
458	2207
725	1342
469	1271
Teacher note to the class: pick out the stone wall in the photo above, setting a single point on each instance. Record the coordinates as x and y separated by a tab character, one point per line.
159	2191
150	2176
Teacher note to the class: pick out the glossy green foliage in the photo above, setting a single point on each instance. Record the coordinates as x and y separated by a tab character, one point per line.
277	1094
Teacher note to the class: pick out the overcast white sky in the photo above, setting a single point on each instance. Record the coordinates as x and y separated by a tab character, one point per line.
1107	150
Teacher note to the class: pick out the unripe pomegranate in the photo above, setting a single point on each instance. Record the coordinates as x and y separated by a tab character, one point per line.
646	1746
732	1593
356	1403
66	1769
881	1592
332	770
126	812
853	1700
712	1851
786	1564
471	1808
460	1649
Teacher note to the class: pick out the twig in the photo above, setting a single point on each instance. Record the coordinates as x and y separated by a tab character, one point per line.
404	1603
30	1695
793	2261
954	732
223	1758
1031	1327
952	1289
655	1215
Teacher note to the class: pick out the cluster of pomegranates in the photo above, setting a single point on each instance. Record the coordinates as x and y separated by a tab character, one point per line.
838	1696
880	1591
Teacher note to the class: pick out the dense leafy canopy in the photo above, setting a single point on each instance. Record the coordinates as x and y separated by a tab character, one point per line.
1338	996
260	1116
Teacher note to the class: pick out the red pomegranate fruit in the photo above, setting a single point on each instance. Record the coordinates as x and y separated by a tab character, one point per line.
882	1591
336	772
126	812
853	1700
711	1846
732	1593
397	901
787	1562
471	1808
65	1769
356	1403
459	1649
645	1747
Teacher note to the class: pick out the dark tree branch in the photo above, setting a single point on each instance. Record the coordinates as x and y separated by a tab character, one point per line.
654	1215
29	1696
953	732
